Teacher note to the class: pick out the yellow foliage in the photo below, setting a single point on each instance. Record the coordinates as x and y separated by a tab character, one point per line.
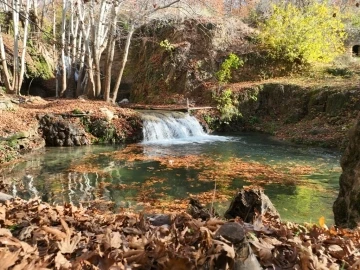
312	34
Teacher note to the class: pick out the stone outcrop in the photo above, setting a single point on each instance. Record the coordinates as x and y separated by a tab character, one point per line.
83	129
58	132
347	205
181	70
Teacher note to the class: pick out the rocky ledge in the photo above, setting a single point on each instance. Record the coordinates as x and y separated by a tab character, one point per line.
35	123
347	205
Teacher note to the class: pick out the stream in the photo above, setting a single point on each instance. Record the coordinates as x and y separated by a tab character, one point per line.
302	182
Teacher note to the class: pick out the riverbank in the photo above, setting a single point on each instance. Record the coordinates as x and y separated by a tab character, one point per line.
31	123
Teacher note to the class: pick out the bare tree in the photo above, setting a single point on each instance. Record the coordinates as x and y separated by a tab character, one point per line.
62	61
92	28
14	81
110	52
138	13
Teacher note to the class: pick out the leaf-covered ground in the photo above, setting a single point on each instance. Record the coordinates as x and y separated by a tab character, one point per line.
36	235
23	116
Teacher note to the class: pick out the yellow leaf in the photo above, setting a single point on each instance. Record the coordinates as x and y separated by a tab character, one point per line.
322	223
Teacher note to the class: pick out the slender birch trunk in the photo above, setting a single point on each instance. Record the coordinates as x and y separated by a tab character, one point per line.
99	38
6	73
110	55
63	61
16	11
54	28
23	53
123	64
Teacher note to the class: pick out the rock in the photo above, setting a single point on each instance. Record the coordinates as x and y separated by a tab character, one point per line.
61	135
58	131
77	141
250	202
231	231
347	205
159	220
124	101
246	259
5	197
68	142
197	210
109	115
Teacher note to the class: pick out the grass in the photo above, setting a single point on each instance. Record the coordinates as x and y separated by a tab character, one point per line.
336	75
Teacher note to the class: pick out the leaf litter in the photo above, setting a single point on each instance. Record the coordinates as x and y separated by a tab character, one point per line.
36	235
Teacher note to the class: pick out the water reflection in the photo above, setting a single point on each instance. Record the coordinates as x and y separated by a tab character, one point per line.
139	175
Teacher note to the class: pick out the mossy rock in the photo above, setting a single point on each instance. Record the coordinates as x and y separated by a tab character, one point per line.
102	130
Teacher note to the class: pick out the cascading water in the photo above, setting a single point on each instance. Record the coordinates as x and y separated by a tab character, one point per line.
165	126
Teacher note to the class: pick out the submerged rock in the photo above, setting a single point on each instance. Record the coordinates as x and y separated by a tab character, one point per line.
249	203
347	206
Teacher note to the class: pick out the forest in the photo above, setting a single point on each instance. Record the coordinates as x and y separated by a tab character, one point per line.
179	134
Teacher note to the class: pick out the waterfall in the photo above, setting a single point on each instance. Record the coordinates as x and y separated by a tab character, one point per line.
165	126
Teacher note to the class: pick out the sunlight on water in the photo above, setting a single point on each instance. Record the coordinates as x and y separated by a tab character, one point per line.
178	160
153	176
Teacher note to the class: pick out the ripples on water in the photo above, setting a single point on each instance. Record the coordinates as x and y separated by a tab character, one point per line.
141	172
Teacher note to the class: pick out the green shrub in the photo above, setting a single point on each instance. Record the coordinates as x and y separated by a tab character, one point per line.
230	63
303	36
227	104
340	72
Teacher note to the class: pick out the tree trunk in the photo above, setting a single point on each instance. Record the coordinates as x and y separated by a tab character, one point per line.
63	61
9	88
108	66
54	29
16	10
23	53
123	64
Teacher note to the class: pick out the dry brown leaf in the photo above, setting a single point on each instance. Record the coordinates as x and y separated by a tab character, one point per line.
59	234
337	252
356	265
65	226
10	241
26	232
27	248
177	264
8	258
112	239
5	232
68	245
2	213
61	262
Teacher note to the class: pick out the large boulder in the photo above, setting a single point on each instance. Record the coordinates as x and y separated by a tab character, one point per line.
347	206
58	131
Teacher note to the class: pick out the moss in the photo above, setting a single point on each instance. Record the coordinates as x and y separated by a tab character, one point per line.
7	151
103	131
40	68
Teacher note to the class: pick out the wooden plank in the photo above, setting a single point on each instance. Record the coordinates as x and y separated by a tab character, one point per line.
178	109
200	108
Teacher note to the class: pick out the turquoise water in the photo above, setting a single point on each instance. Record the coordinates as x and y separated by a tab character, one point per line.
303	188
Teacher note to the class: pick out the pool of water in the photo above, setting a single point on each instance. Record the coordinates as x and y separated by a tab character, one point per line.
302	182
